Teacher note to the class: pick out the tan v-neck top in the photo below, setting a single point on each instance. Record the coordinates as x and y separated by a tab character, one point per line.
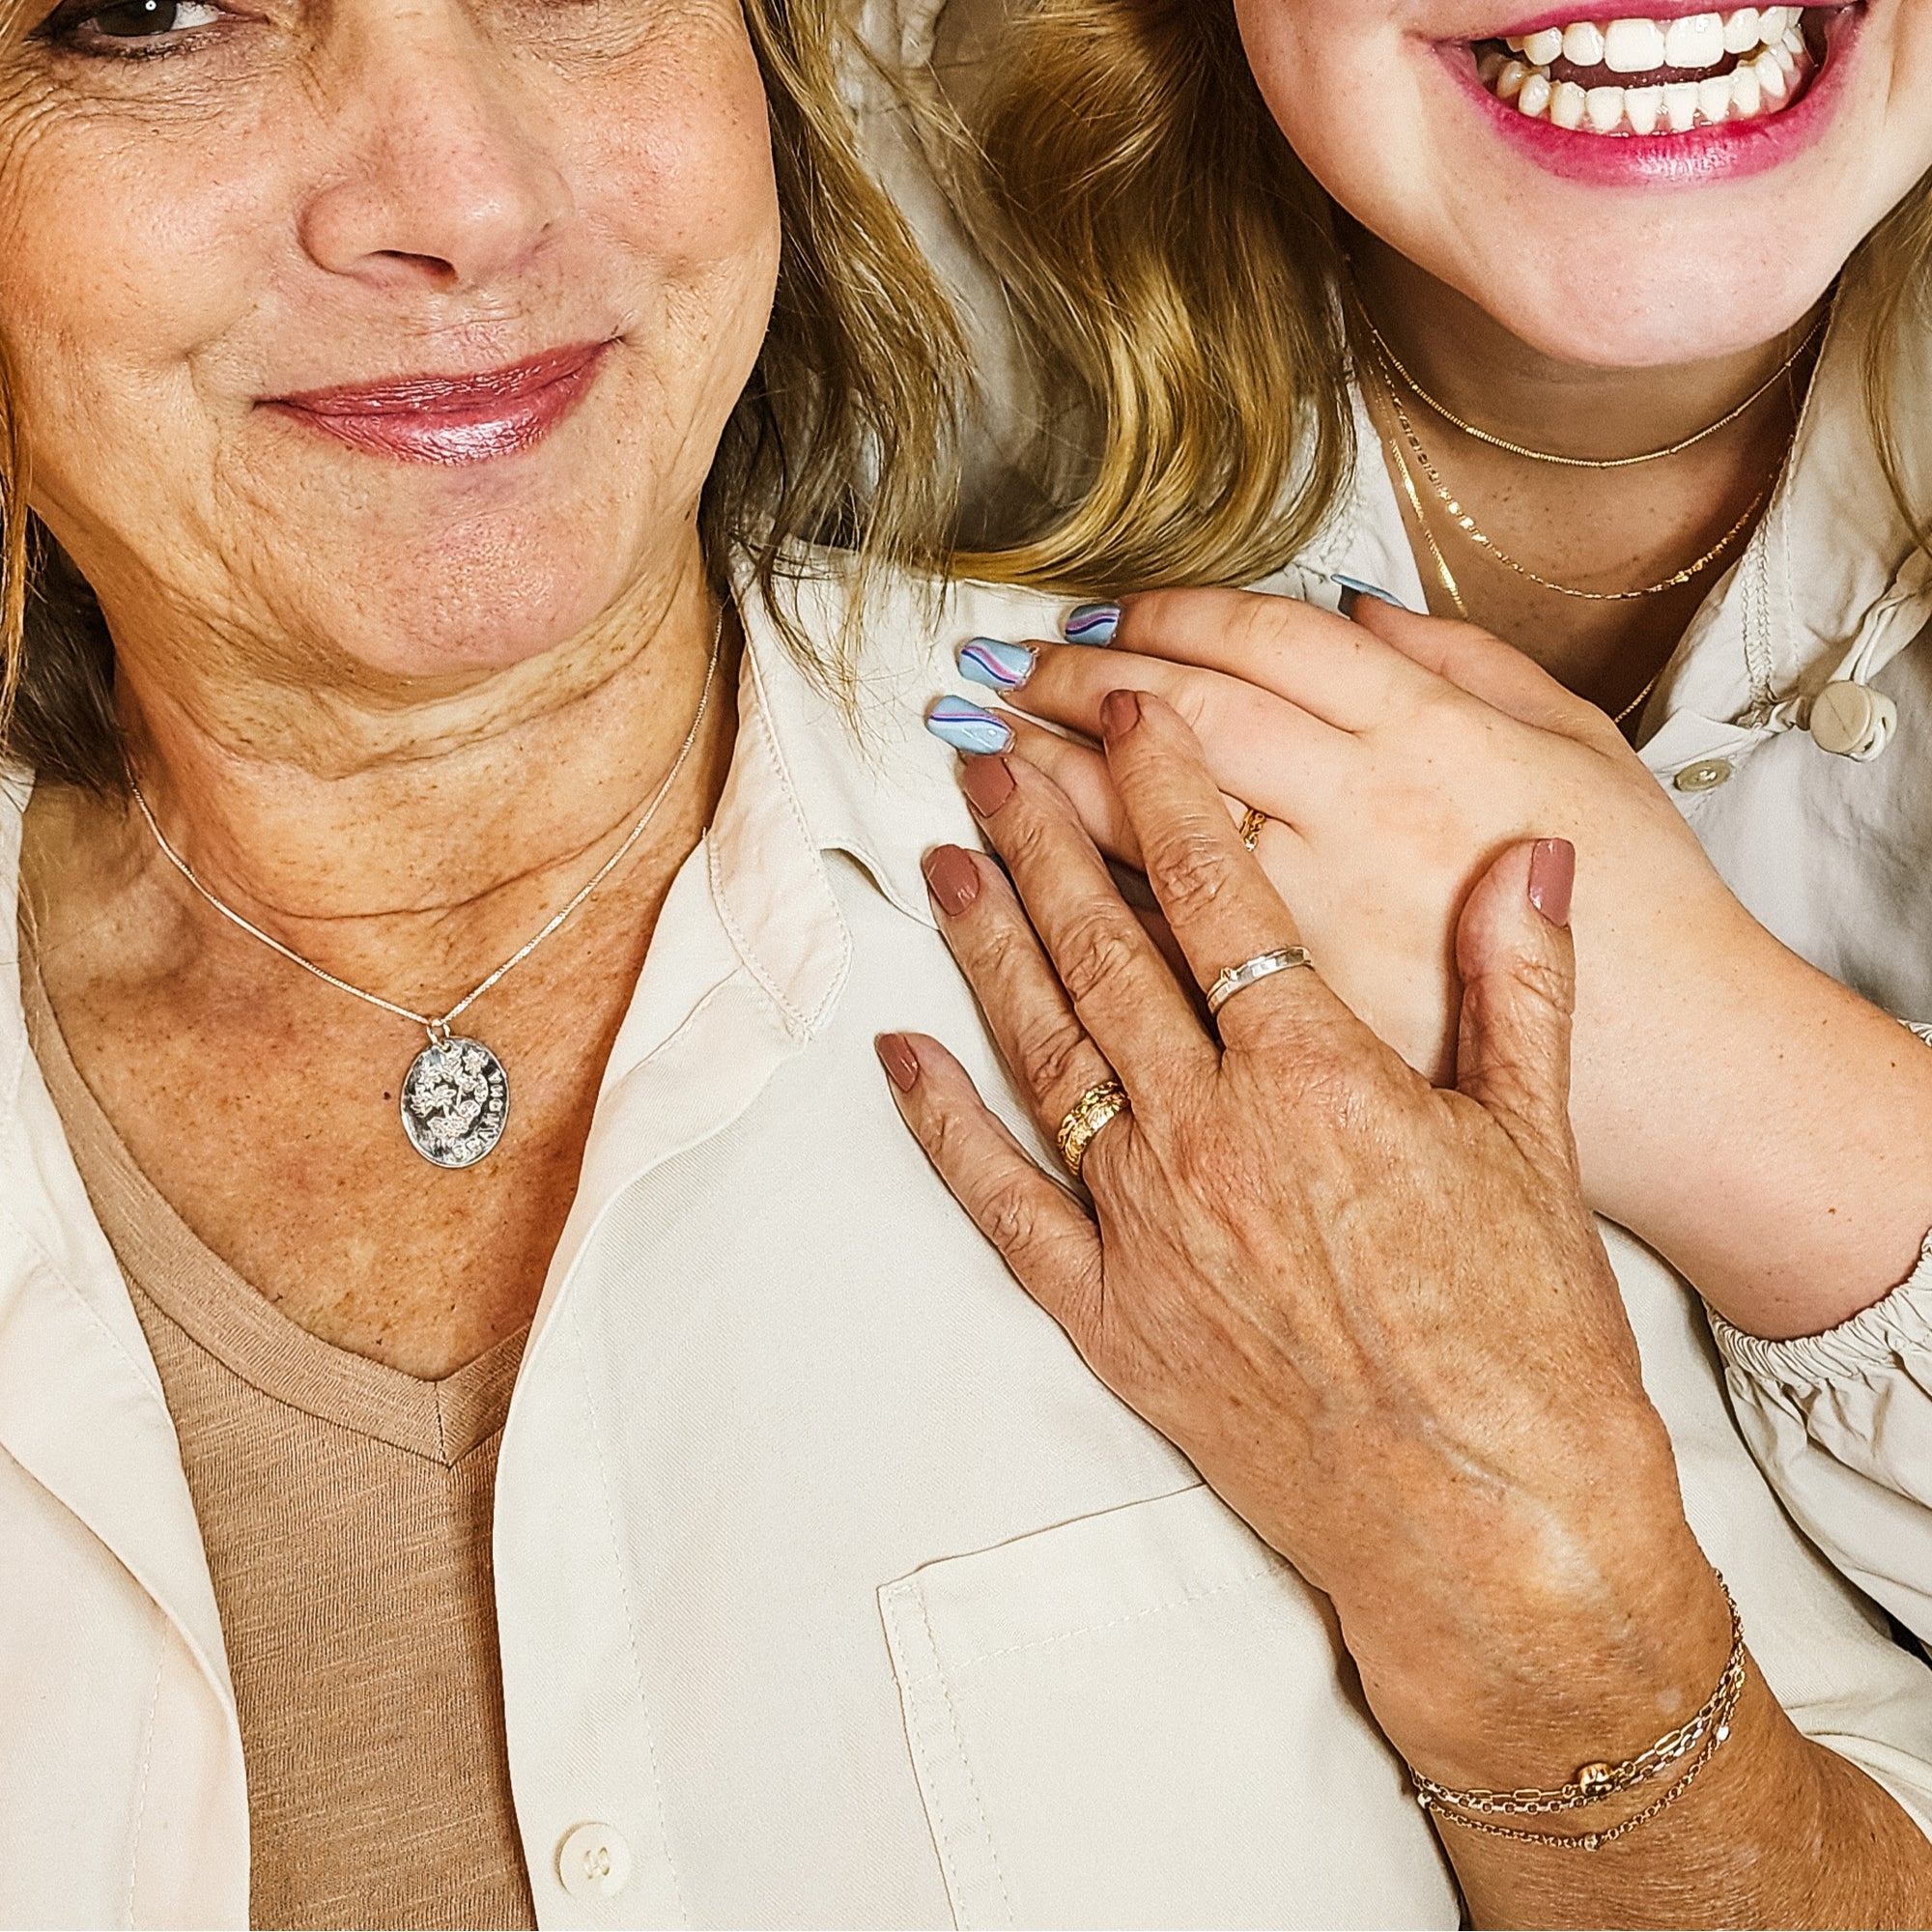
346	1510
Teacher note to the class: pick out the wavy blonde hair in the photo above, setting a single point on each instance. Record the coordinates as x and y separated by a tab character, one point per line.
1175	273
846	433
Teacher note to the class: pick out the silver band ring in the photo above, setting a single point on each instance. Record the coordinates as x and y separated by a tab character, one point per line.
1251	972
1085	1119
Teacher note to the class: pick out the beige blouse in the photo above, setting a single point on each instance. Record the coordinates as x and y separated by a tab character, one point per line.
346	1509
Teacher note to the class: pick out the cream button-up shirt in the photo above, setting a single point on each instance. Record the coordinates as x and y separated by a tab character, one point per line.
831	1588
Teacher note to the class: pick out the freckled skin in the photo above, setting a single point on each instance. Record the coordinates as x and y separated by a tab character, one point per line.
395	712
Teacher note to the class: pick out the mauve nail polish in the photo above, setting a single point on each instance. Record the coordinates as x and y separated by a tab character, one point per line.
1552	877
988	784
900	1061
952	879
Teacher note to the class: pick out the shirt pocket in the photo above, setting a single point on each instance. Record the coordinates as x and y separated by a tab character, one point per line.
1146	1718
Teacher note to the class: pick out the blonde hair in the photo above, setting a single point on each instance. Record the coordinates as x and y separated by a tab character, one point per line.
1175	273
845	434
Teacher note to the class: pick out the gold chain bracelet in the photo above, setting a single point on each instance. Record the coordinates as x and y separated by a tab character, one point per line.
1696	1739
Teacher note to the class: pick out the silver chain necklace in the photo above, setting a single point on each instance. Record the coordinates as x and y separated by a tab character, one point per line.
456	1096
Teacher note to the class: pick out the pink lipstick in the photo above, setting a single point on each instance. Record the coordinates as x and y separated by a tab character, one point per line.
453	419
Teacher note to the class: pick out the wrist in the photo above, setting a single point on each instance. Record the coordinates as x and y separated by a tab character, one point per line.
1528	1680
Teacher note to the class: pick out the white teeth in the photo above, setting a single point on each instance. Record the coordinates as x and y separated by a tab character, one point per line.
1584	44
1695	40
1630	47
1765	44
1680	106
1605	108
1742	32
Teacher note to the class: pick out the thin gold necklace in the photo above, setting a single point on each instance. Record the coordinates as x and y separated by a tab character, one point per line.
1396	366
1467	524
1447	579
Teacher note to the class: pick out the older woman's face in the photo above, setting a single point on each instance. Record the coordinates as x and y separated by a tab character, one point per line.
1615	189
401	327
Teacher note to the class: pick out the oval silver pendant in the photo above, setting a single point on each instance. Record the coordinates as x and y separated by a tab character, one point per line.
456	1101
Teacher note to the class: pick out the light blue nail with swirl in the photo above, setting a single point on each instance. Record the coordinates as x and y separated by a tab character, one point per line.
1000	666
1093	624
968	729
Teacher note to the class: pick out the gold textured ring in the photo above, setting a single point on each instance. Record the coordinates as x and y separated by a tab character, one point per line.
1251	972
1085	1119
1252	821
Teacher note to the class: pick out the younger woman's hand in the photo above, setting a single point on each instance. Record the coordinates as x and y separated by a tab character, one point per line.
1394	757
1746	1114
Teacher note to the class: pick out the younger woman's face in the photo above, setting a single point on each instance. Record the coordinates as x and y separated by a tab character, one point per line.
1615	190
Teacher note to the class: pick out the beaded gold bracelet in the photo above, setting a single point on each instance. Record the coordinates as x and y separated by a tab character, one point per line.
1691	1745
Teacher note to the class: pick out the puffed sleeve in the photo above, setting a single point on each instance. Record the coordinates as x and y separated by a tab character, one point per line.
1841	1424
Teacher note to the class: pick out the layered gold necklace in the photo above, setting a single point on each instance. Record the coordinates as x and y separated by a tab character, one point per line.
1394	378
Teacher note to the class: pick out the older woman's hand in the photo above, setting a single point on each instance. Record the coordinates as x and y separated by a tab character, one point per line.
1376	1316
1394	756
1375	1313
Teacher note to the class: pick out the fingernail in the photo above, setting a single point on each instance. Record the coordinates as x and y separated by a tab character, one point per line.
1119	713
900	1061
1000	666
1093	624
1552	875
952	879
988	784
968	729
1354	590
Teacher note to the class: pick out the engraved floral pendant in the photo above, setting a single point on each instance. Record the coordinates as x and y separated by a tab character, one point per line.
456	1101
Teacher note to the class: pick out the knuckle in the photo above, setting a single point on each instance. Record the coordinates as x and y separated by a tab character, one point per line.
1192	874
1094	955
1011	1223
1053	1055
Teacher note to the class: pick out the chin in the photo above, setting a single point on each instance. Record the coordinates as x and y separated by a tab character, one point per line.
459	608
1640	313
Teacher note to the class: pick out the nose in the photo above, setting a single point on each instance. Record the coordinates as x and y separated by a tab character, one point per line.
442	177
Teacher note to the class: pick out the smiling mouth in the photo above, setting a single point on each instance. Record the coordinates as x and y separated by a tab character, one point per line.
1639	76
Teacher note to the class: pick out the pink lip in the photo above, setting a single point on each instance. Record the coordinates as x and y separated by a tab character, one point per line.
1673	160
453	419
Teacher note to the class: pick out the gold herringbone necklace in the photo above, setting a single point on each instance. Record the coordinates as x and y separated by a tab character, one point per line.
1467	524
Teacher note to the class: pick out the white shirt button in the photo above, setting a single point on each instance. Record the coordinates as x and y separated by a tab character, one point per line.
1853	721
594	1862
1706	775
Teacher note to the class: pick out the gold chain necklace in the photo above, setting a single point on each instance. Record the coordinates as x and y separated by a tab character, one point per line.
1447	577
1467	524
1394	365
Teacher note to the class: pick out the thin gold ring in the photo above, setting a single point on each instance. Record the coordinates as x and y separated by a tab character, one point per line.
1252	821
1085	1119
